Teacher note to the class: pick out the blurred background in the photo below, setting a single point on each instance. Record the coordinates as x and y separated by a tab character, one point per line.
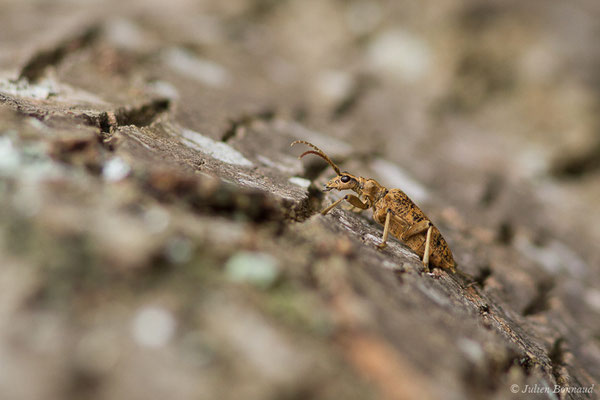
154	245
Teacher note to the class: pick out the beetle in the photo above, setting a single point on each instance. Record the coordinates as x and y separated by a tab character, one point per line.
392	208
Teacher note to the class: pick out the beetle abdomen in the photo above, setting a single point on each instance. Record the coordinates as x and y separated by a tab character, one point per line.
406	214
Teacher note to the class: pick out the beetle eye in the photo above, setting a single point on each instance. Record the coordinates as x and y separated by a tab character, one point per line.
345	178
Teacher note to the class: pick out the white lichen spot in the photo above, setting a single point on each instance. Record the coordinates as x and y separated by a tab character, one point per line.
287	165
153	326
219	150
395	177
400	54
254	183
554	256
163	89
156	219
44	89
471	349
179	250
433	294
10	157
22	88
30	163
390	265
372	239
125	34
189	65
20	160
267	161
303	183
333	86
115	169
592	298
259	269
37	124
530	163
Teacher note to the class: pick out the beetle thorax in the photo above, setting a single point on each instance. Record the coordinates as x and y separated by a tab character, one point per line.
370	189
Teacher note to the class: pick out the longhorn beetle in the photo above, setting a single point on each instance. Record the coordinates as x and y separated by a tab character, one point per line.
392	208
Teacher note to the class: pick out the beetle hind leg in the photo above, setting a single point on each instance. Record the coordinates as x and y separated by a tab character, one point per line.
427	249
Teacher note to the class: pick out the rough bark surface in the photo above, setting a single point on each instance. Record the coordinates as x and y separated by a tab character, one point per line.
159	238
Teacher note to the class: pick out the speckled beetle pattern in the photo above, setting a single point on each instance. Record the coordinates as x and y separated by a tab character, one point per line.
395	210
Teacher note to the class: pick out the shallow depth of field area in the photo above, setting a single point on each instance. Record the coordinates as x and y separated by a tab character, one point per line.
159	238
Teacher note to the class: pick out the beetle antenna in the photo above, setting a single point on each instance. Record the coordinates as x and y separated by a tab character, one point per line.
319	153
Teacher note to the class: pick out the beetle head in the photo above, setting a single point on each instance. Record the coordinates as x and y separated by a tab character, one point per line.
344	181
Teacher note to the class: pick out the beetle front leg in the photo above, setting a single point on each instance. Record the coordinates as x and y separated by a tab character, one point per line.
355	201
334	204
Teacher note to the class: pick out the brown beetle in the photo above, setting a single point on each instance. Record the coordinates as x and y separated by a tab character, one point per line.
395	210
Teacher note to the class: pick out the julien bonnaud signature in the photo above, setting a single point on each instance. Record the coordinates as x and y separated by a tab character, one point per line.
549	389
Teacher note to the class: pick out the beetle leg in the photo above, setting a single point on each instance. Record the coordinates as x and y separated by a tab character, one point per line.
356	202
335	203
415	229
386	229
427	249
